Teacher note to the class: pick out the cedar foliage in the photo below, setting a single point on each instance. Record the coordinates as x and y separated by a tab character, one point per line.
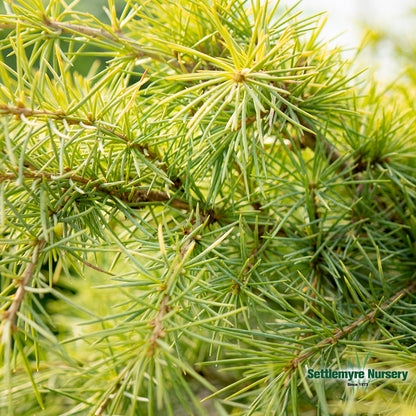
189	228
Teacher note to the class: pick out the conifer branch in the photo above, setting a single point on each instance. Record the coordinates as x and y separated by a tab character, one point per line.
72	120
157	323
11	313
340	333
79	121
137	198
116	37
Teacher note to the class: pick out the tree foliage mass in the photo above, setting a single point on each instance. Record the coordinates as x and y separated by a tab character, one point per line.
188	228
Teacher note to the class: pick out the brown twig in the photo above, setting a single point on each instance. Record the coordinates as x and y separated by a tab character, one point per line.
157	323
236	287
7	26
139	197
342	332
10	314
71	120
116	38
